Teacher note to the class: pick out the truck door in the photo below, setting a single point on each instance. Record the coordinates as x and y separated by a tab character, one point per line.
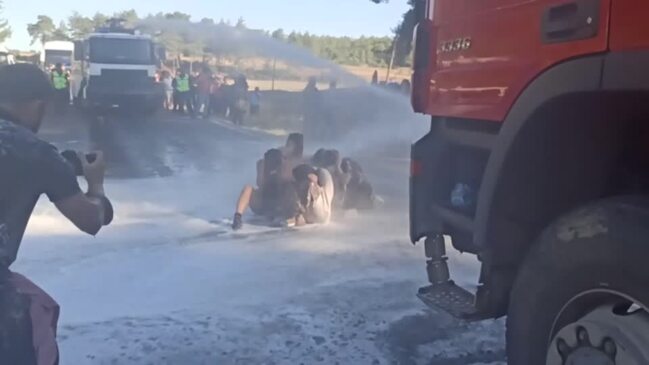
489	50
629	28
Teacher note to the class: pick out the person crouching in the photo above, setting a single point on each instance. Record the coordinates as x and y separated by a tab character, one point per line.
274	198
315	189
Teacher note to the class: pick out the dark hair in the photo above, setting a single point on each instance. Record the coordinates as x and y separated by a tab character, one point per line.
302	172
298	141
319	157
23	82
326	158
272	174
272	162
348	166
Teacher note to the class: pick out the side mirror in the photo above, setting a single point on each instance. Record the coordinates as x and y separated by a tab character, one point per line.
78	50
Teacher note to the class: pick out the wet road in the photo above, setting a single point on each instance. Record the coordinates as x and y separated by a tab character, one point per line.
162	285
164	145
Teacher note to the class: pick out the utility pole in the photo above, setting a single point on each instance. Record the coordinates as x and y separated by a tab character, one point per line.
394	53
272	87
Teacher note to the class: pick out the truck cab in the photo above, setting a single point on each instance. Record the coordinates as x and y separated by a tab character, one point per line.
537	163
55	52
117	68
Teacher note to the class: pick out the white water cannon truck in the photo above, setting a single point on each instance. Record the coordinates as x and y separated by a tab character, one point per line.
117	68
55	52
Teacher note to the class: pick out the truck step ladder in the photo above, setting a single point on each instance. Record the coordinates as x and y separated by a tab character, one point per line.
443	294
450	298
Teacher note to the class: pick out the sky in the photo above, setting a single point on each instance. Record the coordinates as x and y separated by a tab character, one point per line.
331	17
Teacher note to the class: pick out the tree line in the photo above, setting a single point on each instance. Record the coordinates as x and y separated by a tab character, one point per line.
210	38
5	28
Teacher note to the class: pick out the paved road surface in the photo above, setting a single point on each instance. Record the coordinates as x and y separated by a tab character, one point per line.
163	285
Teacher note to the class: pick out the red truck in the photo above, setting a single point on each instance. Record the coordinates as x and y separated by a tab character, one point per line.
537	161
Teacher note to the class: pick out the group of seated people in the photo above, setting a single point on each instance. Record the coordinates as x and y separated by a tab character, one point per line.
293	190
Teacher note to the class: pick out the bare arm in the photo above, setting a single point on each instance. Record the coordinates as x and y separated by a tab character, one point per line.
86	213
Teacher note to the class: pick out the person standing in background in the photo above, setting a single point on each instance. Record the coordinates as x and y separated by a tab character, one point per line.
219	97
375	77
312	108
239	101
167	82
203	86
61	82
183	93
255	102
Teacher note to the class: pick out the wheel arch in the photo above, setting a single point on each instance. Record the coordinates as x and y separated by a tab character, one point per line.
557	149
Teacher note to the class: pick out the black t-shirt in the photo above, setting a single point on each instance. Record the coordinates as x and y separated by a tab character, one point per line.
29	167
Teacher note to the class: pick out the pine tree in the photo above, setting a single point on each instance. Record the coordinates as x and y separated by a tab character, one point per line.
5	29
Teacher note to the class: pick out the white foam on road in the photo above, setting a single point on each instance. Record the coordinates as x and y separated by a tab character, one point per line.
163	286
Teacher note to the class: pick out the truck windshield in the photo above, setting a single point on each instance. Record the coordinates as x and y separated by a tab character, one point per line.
121	51
52	57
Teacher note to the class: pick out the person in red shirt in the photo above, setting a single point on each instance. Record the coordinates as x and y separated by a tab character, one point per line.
203	88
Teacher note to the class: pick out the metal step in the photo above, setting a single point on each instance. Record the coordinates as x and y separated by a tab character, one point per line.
449	298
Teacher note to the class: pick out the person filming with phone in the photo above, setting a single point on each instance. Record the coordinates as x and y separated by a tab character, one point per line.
30	167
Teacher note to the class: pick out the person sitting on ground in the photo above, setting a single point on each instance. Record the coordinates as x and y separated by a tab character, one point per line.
330	160
274	197
359	193
353	189
315	189
292	154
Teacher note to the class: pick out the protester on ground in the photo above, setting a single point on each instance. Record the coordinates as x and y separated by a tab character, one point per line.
255	102
331	160
292	156
61	82
359	193
183	93
31	167
353	190
315	189
274	198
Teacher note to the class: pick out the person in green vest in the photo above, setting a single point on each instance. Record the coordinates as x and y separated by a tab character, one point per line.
182	87
61	82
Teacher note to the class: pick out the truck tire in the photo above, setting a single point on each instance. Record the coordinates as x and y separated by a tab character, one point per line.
588	271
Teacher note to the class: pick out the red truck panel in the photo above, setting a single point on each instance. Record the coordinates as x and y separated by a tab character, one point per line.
629	28
506	53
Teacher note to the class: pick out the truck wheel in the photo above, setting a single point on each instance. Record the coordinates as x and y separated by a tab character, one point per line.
582	295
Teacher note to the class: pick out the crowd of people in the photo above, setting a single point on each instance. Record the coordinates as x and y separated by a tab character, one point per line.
294	190
206	94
